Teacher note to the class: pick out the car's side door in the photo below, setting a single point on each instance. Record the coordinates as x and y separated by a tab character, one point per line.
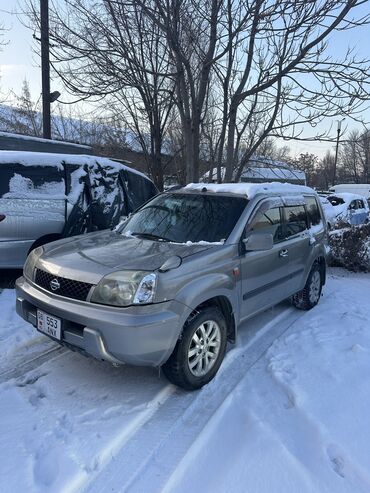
352	212
265	276
299	244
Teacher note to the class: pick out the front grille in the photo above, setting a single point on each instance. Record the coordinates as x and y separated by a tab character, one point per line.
69	288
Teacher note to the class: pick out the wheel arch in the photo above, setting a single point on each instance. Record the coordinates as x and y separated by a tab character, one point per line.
223	303
321	262
43	240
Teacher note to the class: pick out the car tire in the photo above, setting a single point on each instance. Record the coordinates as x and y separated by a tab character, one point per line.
309	296
199	351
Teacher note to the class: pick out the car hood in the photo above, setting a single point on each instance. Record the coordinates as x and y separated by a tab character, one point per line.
89	257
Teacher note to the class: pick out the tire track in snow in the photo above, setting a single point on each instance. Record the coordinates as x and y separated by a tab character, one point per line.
109	454
153	452
25	367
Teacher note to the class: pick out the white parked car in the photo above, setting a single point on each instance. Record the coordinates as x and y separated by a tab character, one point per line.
362	189
350	207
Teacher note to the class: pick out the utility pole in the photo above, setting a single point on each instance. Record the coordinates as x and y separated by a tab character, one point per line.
336	150
45	68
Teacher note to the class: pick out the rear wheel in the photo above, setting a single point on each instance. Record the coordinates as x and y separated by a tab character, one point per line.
310	294
200	350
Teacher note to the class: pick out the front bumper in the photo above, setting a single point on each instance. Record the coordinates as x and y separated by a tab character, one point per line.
140	335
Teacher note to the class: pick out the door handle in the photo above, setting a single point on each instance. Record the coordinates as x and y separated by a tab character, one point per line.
283	253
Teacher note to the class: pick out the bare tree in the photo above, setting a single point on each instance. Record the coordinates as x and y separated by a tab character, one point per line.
2	39
268	64
355	157
24	116
107	51
270	149
286	78
325	171
190	31
256	68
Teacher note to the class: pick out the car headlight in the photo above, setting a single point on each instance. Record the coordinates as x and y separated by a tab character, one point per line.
29	266
125	288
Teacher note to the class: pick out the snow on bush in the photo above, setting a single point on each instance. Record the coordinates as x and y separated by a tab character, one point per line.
350	248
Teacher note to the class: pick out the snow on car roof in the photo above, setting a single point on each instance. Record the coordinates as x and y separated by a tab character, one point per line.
251	189
30	158
347	197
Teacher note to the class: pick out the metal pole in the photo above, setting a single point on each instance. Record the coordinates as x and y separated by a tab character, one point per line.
336	150
45	68
336	157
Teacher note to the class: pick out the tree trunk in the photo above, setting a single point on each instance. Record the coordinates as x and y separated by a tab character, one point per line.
229	165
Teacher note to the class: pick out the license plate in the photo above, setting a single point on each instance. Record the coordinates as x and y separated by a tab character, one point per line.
49	325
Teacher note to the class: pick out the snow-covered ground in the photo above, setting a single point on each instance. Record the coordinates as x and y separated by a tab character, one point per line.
287	412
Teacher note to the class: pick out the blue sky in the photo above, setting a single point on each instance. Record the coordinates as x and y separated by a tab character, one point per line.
17	62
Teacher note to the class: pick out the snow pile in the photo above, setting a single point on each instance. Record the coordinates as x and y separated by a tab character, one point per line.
77	185
350	248
251	189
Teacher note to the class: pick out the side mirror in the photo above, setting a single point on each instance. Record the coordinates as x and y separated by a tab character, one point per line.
256	242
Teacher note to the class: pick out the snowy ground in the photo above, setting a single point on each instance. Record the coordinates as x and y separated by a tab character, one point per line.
288	411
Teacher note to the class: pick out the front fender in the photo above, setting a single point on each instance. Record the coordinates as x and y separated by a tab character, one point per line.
199	291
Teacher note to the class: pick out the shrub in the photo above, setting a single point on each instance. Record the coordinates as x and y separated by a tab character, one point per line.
350	248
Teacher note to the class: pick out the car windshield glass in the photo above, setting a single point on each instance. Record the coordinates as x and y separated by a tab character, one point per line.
336	201
185	217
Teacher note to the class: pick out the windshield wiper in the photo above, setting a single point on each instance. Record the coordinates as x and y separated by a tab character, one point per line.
151	236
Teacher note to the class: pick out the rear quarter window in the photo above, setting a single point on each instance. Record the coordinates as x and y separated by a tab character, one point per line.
313	211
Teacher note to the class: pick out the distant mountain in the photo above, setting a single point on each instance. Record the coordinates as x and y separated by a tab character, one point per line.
92	133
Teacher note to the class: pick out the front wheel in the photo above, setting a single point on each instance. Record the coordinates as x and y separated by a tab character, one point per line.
310	294
200	350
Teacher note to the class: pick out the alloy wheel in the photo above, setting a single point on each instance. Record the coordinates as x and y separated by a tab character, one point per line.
204	348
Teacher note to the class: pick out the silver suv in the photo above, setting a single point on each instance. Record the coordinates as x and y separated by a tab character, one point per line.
170	285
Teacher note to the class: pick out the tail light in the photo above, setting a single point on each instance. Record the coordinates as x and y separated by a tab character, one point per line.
2	217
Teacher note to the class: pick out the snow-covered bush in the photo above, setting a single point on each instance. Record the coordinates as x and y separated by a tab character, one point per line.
350	248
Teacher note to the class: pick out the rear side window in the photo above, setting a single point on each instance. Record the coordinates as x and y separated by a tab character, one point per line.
313	211
361	204
295	220
269	222
139	190
19	181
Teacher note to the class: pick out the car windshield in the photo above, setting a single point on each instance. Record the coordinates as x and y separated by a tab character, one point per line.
185	217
